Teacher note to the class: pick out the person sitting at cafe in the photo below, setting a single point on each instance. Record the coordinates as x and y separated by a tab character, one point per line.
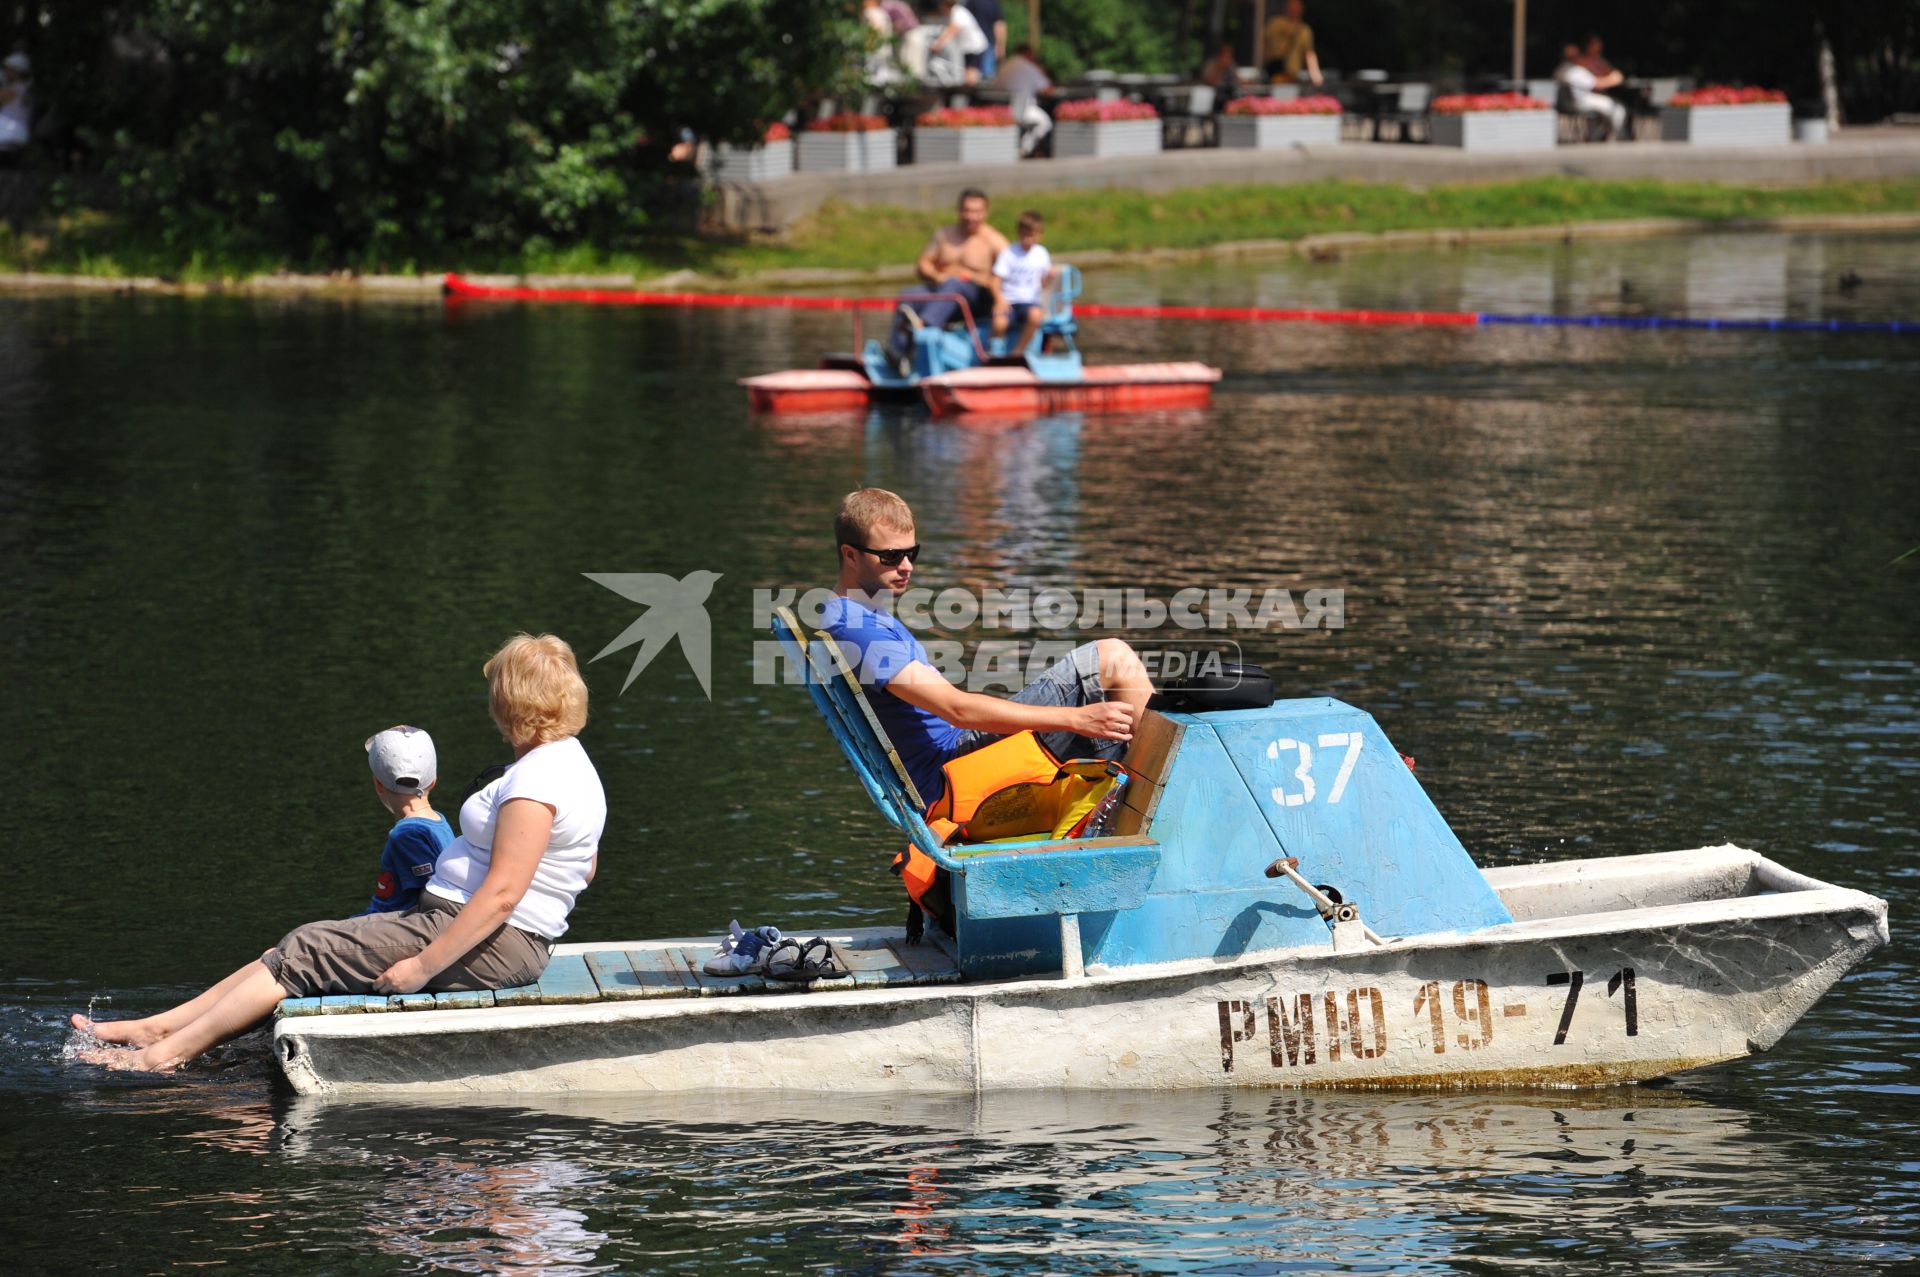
1593	56
954	55
901	15
985	65
881	68
1580	91
1025	80
16	107
1222	74
1288	47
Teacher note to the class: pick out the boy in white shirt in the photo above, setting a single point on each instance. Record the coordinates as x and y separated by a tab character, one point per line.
1021	271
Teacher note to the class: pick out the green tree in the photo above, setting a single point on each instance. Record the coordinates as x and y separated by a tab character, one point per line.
360	130
1115	35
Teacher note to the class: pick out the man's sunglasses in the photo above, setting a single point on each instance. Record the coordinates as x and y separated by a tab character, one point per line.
892	557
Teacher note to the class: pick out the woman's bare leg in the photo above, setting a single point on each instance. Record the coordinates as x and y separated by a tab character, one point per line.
154	1027
248	999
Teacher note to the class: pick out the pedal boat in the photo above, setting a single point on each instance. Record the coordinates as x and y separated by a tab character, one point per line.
962	371
1279	904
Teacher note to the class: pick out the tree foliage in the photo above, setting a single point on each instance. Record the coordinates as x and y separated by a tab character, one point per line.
354	130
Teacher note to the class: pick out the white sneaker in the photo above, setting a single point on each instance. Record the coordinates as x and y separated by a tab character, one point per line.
741	952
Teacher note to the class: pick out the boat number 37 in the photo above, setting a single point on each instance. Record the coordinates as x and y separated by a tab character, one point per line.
1303	789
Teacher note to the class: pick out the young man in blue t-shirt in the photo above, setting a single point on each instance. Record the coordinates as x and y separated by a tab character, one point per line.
1082	706
404	771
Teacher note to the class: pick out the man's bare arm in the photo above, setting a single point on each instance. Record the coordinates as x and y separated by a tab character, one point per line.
922	686
929	264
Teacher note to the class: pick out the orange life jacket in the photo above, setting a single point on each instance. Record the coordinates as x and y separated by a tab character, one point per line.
1011	760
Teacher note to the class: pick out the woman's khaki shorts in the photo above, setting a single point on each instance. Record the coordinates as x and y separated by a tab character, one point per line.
349	955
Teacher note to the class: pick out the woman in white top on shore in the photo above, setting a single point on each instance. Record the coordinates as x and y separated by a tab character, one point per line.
499	896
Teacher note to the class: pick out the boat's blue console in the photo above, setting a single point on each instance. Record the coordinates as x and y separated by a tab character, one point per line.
1049	349
1314	779
1216	799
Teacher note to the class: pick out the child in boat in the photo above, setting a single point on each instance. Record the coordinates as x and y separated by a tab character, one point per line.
404	772
1022	269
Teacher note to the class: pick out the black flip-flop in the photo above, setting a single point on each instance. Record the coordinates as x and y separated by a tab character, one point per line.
813	960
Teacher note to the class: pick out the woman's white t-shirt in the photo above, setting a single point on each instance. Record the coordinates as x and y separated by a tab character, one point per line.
560	775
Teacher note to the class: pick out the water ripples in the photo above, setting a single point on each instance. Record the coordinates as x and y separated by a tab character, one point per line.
1616	592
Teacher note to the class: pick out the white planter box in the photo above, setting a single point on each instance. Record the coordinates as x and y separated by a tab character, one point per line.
1495	130
852	152
754	164
1754	124
1105	138
967	146
1277	132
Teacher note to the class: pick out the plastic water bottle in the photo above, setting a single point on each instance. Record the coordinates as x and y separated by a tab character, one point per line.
1103	813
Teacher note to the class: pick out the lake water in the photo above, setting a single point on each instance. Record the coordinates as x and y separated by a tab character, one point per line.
1616	591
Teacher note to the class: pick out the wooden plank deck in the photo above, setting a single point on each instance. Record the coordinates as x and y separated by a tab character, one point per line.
568	979
877	959
661	973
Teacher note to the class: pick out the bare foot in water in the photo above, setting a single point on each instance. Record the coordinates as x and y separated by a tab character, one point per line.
117	1032
121	1061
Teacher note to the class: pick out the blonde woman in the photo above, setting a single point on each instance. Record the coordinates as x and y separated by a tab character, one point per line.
498	899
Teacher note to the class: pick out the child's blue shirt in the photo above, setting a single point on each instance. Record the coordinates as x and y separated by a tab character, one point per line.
406	862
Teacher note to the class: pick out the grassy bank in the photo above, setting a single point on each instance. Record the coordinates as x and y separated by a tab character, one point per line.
847	238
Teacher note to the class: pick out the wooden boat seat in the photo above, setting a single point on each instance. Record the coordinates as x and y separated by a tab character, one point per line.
626	971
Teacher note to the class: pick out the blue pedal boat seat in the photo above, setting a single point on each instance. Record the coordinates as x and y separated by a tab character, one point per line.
1037	879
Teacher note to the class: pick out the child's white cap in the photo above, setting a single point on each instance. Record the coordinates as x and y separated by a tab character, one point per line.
402	759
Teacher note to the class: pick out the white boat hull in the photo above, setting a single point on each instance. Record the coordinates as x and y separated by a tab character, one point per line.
1614	970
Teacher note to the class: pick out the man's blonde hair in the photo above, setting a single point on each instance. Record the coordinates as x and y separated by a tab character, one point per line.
863	511
535	691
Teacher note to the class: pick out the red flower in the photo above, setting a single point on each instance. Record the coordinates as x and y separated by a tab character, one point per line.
776	132
1091	111
967	117
1315	104
847	122
1725	95
1462	103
